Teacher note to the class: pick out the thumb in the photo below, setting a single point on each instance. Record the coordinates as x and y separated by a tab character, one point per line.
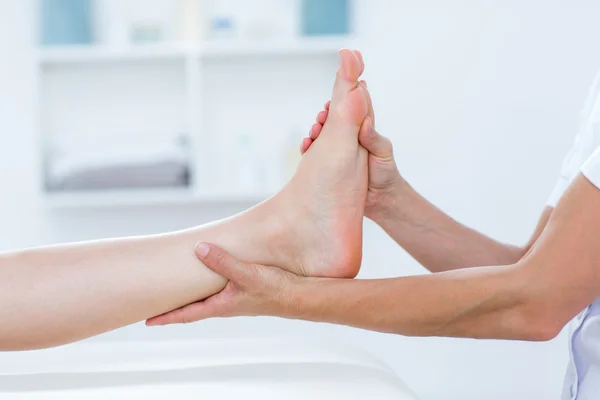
371	111
221	262
376	144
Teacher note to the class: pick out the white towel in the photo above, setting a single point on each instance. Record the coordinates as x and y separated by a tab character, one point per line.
117	165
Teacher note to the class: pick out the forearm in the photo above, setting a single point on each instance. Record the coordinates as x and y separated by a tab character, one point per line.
55	295
436	240
532	299
488	302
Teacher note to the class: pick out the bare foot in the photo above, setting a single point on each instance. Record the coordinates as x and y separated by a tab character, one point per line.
313	226
329	190
384	177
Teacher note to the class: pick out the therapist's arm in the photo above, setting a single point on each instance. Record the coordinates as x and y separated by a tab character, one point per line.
530	300
436	240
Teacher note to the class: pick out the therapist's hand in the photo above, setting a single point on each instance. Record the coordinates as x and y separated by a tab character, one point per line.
252	290
385	182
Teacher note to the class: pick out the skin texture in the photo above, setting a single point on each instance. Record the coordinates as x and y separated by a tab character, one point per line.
56	295
531	299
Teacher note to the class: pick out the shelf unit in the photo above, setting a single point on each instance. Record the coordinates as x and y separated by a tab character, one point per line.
198	74
94	54
298	47
146	197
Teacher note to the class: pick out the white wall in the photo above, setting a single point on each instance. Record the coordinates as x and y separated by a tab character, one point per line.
481	100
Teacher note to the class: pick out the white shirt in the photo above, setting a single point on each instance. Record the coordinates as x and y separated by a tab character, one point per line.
582	380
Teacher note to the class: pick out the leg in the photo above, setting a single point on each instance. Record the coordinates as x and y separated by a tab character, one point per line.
57	295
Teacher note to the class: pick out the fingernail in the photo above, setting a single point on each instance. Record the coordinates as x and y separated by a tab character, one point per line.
365	83
203	249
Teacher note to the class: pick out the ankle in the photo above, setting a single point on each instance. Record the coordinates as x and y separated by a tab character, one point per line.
280	222
402	206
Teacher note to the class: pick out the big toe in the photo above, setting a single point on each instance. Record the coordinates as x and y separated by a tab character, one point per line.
351	68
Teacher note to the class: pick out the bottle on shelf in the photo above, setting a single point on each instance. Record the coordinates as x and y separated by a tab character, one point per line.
112	22
151	22
325	17
190	22
65	22
223	19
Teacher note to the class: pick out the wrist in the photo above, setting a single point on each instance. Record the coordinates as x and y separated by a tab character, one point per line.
394	203
299	298
402	207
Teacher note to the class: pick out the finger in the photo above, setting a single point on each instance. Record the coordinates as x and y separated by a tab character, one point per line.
376	144
216	306
361	59
365	129
371	111
222	262
184	315
327	105
315	131
306	143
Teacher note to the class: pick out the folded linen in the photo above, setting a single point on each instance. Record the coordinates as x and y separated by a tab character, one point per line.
118	168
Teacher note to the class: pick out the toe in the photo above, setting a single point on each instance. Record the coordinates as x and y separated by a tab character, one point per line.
347	76
361	60
322	117
351	67
315	131
305	145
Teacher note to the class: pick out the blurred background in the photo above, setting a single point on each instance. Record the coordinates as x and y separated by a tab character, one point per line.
132	117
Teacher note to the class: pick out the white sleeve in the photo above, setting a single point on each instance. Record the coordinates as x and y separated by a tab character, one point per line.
591	168
570	168
582	150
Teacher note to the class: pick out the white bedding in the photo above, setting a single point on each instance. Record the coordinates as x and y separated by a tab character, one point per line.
221	370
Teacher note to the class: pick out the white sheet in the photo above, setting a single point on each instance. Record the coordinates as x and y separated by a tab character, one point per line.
225	370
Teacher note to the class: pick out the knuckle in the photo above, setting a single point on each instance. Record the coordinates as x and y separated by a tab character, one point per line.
219	258
388	143
250	272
